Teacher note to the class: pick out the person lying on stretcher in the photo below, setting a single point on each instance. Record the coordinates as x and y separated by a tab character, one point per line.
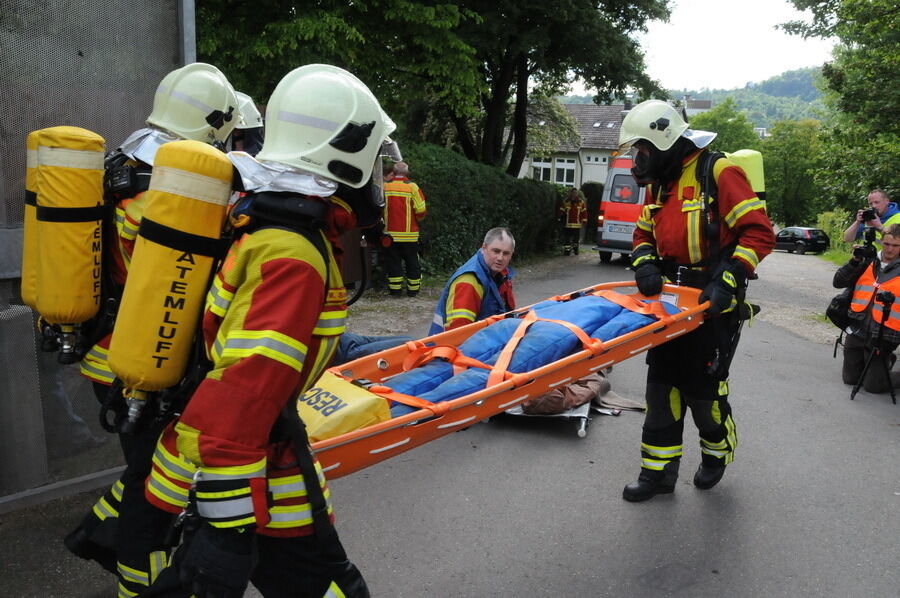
480	288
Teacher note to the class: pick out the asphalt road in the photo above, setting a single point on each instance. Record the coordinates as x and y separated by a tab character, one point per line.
524	508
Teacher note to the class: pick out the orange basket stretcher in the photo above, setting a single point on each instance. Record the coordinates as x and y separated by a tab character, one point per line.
361	448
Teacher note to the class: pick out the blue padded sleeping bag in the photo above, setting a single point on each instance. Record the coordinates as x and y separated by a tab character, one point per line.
486	344
543	343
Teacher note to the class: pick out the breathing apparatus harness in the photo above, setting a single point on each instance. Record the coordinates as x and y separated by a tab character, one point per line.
727	327
306	217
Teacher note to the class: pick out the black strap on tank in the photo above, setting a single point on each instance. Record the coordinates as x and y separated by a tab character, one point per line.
305	217
30	198
91	214
325	534
709	216
182	241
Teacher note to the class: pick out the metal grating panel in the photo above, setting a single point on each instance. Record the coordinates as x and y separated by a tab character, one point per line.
88	64
93	65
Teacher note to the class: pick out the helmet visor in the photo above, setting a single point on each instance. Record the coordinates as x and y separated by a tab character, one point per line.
377	184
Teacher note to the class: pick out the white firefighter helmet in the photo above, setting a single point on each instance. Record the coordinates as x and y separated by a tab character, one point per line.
661	124
250	116
324	120
195	102
655	121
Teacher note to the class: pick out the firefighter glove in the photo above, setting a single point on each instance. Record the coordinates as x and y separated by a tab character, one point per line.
722	289
649	278
218	562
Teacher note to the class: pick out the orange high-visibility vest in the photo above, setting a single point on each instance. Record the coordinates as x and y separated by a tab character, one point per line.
863	294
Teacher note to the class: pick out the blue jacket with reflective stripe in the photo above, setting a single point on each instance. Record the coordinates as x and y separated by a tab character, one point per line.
491	303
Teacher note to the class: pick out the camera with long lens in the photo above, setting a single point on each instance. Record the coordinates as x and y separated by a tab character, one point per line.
869	214
866	251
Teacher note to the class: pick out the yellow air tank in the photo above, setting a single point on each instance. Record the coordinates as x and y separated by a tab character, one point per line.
69	223
170	271
30	234
751	162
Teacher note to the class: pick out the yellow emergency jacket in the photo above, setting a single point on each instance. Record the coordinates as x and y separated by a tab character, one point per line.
271	328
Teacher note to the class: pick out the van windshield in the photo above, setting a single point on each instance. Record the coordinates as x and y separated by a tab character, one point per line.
624	189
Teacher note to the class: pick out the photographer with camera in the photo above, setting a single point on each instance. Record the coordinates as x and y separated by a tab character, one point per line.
880	214
875	280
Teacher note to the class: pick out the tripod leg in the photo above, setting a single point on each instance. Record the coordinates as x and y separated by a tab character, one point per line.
887	373
862	374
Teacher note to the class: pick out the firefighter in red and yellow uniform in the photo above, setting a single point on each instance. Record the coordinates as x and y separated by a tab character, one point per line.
713	249
122	531
404	208
273	319
573	214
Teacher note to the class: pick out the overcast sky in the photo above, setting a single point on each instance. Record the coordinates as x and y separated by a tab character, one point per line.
722	44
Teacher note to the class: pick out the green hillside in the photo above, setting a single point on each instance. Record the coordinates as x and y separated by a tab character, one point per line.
792	95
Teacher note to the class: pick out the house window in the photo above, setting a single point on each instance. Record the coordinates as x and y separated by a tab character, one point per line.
540	169
565	171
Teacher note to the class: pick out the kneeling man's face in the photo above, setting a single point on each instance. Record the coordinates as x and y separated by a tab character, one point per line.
890	248
497	254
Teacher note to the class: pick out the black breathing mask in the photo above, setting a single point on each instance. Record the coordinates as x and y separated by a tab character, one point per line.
367	202
652	165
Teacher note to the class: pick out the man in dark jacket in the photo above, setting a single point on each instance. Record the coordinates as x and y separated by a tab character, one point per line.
863	272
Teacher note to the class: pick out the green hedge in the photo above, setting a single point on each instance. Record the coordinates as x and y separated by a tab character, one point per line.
834	224
465	199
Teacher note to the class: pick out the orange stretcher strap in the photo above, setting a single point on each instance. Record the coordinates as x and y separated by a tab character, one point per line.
500	370
423	355
388	393
653	308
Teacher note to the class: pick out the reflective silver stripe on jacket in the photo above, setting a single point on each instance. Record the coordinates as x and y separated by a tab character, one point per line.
225	509
177	468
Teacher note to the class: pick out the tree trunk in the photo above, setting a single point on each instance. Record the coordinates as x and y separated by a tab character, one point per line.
495	115
464	135
520	117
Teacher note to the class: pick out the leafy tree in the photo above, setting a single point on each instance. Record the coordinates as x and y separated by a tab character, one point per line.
799	83
733	130
791	158
861	147
467	63
526	43
793	95
549	126
568	99
402	49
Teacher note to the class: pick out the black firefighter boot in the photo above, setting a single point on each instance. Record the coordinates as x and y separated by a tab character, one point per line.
709	473
93	541
650	483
